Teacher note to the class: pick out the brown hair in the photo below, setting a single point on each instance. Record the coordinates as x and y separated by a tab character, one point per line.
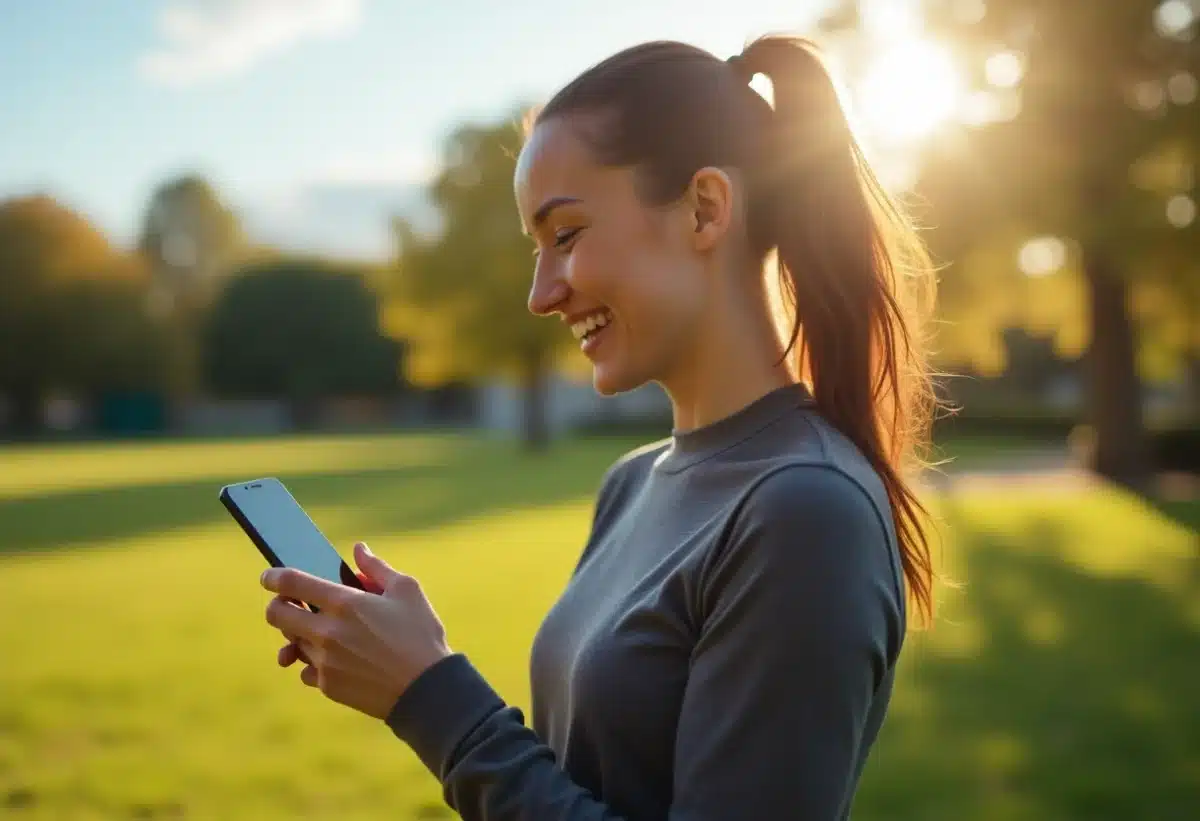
847	257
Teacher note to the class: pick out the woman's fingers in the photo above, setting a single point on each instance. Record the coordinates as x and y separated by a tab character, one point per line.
290	619
289	654
369	584
292	652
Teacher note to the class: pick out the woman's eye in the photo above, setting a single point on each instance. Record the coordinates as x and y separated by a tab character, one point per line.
565	236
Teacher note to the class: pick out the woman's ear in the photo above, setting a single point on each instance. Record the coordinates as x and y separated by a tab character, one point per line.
710	199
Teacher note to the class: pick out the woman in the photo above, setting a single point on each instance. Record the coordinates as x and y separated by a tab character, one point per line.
727	644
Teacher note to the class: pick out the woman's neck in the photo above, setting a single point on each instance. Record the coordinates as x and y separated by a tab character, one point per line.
735	361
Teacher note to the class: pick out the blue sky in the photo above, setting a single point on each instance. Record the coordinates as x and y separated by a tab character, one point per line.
312	117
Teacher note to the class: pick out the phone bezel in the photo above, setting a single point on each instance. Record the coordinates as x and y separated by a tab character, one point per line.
230	504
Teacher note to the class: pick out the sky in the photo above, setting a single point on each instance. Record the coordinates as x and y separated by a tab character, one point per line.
313	118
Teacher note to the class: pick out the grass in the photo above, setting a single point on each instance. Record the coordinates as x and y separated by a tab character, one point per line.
999	450
137	678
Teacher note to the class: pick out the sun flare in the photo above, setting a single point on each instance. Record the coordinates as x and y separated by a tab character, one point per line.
909	90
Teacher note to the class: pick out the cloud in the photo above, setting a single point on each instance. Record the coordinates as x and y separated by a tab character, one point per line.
213	39
344	205
398	166
342	219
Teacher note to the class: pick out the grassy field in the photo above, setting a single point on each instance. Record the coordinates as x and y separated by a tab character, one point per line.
137	677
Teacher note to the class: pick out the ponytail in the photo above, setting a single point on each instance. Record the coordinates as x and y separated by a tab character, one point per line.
846	259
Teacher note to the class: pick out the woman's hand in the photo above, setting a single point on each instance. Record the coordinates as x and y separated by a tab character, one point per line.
364	648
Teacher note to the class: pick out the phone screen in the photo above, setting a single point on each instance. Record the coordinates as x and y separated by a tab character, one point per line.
287	530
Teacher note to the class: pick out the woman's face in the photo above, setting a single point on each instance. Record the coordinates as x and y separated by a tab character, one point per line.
625	277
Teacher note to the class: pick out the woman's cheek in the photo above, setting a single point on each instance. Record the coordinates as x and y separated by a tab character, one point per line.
578	273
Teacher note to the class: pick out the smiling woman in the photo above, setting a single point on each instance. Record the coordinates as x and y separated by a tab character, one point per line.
727	642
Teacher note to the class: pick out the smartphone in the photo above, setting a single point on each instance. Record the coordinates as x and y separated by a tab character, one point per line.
283	532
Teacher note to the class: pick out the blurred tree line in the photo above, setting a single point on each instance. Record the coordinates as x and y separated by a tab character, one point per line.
193	309
1089	137
71	309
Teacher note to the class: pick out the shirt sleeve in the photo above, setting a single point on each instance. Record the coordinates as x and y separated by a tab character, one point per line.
800	623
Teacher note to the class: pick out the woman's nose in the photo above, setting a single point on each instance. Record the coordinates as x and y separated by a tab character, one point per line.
548	292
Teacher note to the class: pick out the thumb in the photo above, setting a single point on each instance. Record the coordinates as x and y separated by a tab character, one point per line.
376	573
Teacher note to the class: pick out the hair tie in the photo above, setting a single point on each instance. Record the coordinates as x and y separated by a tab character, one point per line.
738	63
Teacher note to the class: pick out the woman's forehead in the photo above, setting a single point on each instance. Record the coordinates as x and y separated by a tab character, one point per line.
554	162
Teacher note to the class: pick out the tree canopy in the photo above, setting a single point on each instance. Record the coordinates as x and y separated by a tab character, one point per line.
1093	143
460	296
73	309
301	329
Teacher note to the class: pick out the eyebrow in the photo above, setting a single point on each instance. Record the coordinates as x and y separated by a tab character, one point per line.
540	215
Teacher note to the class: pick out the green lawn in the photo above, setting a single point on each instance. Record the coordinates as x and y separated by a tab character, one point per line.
137	677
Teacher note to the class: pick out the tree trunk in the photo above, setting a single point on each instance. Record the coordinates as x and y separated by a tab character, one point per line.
1191	371
1193	386
26	411
1114	390
535	429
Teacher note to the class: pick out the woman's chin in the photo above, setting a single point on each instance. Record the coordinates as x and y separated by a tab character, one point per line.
609	379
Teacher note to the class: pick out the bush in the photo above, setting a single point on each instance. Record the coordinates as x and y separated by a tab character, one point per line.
1172	448
1038	426
1176	449
644	429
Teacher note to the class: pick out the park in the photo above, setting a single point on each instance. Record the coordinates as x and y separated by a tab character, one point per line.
228	297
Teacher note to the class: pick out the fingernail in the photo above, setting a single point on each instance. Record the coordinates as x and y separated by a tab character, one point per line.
366	549
265	578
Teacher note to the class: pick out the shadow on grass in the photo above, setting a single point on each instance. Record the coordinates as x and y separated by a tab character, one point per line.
1185	512
474	479
1052	692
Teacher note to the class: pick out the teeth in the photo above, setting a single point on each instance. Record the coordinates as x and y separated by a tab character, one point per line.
585	326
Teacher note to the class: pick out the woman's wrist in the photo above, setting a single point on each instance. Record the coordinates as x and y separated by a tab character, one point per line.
440	708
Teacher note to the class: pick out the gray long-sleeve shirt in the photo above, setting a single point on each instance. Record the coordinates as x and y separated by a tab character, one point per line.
725	648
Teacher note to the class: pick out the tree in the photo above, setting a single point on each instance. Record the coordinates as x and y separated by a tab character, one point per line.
190	240
298	328
460	296
72	309
102	339
188	234
1095	143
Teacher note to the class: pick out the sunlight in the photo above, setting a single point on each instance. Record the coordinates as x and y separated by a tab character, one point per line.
908	91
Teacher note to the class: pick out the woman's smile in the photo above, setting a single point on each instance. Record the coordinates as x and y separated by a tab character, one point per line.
589	328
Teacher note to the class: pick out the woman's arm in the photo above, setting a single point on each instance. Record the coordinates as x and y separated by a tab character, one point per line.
801	623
